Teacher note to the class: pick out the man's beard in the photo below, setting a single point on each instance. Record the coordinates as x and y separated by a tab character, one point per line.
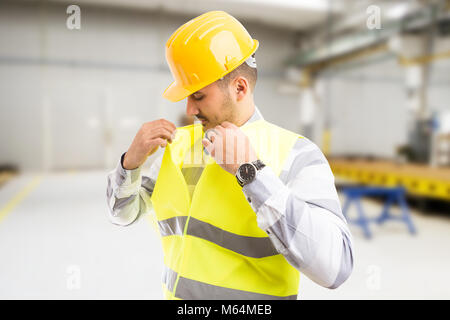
227	108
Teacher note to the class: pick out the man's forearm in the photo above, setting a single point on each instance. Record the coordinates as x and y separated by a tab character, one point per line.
304	220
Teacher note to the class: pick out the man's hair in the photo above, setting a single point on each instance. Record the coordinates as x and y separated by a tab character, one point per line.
244	70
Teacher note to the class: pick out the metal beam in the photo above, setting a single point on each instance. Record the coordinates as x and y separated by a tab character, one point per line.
357	41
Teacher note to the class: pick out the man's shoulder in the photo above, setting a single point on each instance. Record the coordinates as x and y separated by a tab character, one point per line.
273	126
302	143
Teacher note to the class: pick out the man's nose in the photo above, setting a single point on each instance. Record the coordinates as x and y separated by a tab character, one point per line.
191	109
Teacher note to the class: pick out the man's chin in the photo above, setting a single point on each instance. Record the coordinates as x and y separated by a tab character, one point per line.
206	125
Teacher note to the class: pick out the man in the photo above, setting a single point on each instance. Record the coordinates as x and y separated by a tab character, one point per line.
242	206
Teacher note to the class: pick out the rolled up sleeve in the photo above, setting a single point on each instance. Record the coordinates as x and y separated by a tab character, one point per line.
128	192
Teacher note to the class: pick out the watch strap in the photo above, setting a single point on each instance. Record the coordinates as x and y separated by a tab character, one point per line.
258	164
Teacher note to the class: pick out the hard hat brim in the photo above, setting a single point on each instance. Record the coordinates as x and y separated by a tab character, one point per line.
176	92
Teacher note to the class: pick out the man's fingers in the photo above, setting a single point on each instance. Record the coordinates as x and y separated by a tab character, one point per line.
206	143
160	142
170	128
208	146
208	133
219	129
211	134
160	123
163	124
162	132
168	124
227	124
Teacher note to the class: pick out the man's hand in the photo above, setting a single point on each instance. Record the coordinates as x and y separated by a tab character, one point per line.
150	136
229	146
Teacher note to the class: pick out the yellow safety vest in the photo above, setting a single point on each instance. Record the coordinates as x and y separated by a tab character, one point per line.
213	247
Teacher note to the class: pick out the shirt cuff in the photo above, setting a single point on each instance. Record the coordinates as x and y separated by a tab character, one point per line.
265	185
127	177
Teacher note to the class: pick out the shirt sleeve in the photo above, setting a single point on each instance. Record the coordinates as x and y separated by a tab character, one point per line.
128	192
301	213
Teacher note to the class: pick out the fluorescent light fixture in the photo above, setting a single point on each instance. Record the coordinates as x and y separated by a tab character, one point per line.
398	11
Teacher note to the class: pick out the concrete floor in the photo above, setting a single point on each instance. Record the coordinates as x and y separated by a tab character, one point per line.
56	243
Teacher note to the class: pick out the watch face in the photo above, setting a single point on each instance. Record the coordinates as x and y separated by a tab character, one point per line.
247	172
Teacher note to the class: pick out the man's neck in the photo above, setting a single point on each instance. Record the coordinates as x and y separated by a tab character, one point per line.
247	113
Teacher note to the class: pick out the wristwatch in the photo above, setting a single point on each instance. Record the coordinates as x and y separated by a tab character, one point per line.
246	172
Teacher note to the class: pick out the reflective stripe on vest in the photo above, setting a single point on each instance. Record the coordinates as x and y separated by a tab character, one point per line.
213	247
190	289
256	247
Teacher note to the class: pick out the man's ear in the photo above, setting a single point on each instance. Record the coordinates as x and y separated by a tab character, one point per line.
241	87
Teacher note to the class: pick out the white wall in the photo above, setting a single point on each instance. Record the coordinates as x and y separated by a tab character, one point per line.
368	105
439	91
61	89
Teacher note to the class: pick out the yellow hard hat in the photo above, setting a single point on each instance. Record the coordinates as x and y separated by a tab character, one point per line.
205	49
